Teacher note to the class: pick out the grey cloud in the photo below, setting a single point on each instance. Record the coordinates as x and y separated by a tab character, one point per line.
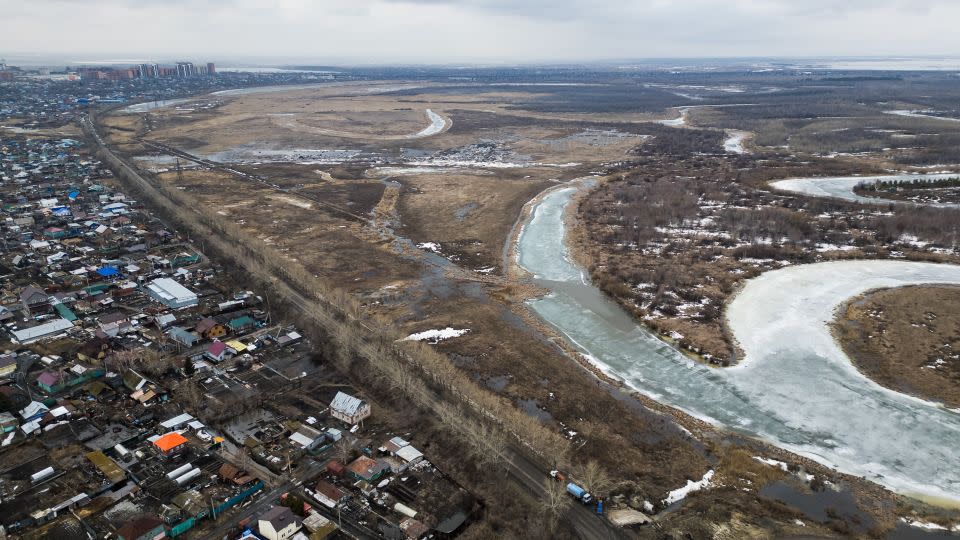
502	30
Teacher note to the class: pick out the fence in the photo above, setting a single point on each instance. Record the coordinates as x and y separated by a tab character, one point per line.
188	523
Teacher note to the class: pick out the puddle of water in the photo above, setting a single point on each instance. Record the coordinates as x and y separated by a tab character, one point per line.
498	383
532	408
820	506
906	532
465	210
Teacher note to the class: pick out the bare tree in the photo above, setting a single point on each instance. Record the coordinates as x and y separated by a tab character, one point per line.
593	477
555	501
343	450
189	394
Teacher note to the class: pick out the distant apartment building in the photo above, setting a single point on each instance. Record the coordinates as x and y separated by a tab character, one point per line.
148	71
182	70
185	69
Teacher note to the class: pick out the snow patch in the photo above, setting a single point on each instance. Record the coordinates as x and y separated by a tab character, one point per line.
681	493
434	336
429	246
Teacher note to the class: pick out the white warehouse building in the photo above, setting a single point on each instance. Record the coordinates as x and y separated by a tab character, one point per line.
171	294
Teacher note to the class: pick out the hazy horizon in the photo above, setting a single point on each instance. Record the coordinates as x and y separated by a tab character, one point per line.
495	32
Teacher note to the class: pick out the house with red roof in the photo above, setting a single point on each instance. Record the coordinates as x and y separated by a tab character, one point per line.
216	351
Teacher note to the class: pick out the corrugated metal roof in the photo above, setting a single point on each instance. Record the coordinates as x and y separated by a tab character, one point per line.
346	403
42	330
169	289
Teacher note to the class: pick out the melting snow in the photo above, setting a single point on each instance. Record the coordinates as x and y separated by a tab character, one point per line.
681	493
434	336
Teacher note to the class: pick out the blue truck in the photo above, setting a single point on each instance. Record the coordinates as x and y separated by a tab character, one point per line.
579	493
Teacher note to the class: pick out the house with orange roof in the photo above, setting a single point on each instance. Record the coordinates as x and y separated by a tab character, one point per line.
170	443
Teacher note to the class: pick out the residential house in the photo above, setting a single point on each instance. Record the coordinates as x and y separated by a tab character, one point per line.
35	301
328	494
171	443
183	336
348	408
210	328
133	380
50	381
242	324
403	454
318	526
145	527
364	468
164	320
278	523
8	364
33	411
307	438
232	474
8	422
216	351
55	381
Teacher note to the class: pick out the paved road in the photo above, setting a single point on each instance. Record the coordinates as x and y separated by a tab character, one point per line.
583	519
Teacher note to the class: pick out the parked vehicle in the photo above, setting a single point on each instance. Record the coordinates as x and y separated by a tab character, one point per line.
579	493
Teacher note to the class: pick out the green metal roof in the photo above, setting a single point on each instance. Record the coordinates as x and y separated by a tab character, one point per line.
65	312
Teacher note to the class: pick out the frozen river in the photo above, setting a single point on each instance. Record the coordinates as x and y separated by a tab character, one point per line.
922	114
734	142
148	106
794	388
437	124
841	187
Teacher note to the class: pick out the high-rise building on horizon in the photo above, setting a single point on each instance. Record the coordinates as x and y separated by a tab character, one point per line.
185	69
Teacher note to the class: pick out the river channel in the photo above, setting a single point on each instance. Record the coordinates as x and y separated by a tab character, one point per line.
794	387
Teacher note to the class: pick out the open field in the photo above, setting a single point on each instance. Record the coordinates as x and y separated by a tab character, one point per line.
906	339
351	184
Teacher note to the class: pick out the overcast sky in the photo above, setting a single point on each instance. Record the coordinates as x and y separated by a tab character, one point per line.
499	31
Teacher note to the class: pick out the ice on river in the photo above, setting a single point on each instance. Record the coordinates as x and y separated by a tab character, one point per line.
795	387
437	124
152	105
734	142
922	114
678	121
842	187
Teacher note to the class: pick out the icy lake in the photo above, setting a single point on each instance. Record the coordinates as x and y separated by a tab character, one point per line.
794	388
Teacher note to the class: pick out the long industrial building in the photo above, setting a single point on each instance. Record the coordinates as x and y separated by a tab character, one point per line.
171	294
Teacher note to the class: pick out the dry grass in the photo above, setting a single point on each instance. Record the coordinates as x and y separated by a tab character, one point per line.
906	339
470	215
